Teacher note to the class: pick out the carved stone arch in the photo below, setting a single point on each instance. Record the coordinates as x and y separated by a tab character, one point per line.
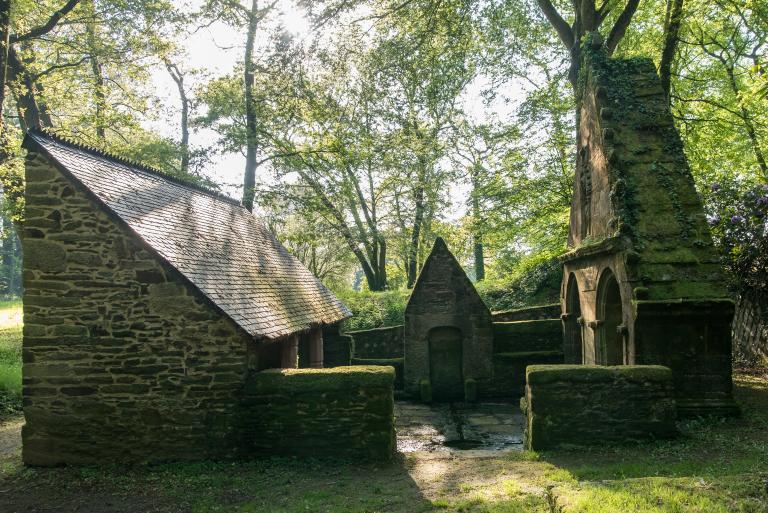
573	347
610	332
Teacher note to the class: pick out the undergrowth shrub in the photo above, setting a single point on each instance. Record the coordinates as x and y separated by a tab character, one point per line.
374	309
536	281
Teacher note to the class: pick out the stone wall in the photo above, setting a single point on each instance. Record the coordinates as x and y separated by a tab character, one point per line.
123	360
518	344
337	348
526	336
527	314
592	405
378	343
343	413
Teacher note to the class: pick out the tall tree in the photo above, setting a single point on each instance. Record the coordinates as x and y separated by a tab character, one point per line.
588	17
672	22
249	17
177	75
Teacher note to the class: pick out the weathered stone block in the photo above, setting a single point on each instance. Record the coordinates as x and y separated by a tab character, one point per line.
591	405
44	255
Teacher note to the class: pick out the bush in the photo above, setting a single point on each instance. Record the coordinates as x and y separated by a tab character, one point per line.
374	309
537	282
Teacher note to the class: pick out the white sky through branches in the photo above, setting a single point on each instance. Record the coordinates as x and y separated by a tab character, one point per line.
217	49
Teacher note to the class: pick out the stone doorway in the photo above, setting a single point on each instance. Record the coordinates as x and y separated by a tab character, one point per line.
445	364
610	328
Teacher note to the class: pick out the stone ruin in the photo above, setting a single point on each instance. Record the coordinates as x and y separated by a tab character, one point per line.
448	330
452	348
642	283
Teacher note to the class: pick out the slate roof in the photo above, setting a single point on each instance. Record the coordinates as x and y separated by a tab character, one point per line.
216	243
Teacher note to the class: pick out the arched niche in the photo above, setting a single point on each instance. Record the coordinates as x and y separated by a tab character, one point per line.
573	348
610	342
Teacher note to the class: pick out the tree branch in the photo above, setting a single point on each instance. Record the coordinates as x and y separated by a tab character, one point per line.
620	27
49	25
561	26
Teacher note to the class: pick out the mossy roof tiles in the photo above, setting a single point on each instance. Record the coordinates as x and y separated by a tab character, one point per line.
216	243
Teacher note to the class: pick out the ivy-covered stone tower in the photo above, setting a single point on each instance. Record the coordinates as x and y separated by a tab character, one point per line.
642	283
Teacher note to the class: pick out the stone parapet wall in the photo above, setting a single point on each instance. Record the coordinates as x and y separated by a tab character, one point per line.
346	412
123	360
509	372
337	348
385	342
693	339
526	336
528	314
592	405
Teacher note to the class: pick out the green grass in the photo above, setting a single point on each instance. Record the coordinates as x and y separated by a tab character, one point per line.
10	356
716	466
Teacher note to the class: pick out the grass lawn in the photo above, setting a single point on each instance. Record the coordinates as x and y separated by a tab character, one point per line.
716	466
10	357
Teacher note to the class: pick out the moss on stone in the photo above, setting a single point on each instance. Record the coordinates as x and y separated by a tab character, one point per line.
528	327
523	355
336	378
596	373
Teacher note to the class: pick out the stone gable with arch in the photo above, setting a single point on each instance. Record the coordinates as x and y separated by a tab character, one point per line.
642	283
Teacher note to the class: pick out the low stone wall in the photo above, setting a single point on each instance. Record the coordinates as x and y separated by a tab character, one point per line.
591	405
509	372
337	348
346	412
378	343
526	336
528	314
397	363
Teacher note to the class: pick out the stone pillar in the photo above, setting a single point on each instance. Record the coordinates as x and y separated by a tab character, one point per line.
289	357
316	348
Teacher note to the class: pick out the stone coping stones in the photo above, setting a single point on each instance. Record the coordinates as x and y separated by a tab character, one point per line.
592	405
536	374
299	380
529	313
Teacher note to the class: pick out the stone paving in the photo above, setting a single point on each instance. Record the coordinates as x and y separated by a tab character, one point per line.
479	428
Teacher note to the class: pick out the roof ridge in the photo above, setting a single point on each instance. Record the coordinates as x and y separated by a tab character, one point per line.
45	132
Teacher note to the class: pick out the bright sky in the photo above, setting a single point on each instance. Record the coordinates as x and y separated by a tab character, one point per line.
217	49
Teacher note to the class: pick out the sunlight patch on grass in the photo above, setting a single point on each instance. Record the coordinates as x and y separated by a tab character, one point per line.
10	356
664	495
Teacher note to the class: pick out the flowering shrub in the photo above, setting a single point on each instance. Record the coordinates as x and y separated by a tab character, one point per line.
738	216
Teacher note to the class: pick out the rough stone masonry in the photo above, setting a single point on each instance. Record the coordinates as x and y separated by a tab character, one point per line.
642	283
128	358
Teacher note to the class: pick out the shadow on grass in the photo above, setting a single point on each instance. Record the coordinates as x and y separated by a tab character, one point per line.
272	485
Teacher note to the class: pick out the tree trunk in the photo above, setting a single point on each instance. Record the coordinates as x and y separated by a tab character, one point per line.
5	32
99	94
178	78
33	112
413	248
477	236
671	39
249	180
